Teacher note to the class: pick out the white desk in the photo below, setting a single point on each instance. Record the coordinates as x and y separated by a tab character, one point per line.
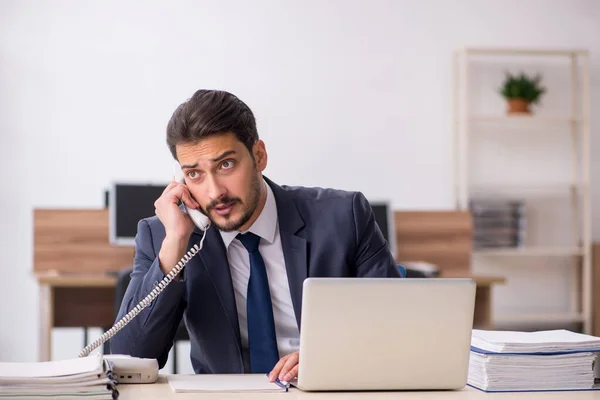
161	390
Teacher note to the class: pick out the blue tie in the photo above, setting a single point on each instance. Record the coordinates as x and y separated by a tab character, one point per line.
262	341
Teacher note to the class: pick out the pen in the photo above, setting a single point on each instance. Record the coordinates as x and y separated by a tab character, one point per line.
282	384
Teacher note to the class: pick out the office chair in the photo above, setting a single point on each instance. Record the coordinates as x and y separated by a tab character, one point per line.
123	279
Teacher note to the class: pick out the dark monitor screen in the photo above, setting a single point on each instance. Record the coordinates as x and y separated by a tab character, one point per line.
128	204
384	218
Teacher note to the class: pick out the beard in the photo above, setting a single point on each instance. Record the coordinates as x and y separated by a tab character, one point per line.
248	210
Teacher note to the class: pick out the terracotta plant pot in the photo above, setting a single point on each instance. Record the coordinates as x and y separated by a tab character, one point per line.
518	106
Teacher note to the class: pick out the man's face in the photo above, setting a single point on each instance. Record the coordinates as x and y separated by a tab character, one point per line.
224	179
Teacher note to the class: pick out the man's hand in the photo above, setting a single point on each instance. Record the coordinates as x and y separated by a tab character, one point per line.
178	226
286	369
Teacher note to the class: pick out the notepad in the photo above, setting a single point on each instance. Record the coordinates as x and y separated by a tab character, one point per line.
232	383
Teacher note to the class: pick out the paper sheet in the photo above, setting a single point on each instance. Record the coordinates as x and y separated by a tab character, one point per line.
232	383
73	367
541	341
83	377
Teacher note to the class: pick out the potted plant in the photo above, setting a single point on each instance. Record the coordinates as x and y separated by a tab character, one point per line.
521	91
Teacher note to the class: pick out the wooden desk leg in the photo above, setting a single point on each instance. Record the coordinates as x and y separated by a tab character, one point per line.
46	322
483	308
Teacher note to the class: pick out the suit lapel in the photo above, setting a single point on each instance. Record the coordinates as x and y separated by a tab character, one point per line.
294	253
214	258
294	246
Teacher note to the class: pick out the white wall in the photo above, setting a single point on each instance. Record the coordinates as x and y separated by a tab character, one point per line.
351	94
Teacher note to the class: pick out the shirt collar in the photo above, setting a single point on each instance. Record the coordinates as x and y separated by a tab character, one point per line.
264	226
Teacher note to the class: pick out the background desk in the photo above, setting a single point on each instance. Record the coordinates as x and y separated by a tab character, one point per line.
483	296
71	260
161	390
444	239
70	300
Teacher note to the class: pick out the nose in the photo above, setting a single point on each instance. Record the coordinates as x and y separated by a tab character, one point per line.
215	189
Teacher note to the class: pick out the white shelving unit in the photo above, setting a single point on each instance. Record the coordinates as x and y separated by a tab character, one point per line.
573	120
533	251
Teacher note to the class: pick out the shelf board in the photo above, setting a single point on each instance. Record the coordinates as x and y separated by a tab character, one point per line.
539	318
525	119
541	251
525	51
507	190
528	186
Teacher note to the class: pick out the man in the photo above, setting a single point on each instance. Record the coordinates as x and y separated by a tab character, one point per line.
241	295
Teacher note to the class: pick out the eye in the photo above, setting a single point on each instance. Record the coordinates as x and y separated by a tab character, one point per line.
193	174
227	164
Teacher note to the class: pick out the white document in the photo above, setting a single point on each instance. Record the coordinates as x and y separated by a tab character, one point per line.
531	361
83	366
232	383
573	371
85	377
534	342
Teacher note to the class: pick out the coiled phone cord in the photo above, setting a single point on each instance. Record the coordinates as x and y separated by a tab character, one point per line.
146	301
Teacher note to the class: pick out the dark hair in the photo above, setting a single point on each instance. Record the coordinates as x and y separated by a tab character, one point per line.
209	112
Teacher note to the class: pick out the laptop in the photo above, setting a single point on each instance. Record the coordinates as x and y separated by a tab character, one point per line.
385	334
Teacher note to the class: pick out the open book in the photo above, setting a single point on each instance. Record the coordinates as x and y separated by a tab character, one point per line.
86	378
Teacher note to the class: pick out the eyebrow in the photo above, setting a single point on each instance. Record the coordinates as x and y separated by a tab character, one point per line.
216	159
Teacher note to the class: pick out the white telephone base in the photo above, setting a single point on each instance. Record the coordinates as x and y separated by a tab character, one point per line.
127	369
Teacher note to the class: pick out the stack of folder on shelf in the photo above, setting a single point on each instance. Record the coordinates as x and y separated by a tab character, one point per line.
85	378
497	223
503	361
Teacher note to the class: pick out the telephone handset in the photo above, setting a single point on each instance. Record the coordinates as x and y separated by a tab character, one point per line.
202	222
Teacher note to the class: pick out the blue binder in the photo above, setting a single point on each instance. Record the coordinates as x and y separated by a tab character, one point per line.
596	387
540	353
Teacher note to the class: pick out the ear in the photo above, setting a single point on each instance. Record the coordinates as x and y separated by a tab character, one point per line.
260	155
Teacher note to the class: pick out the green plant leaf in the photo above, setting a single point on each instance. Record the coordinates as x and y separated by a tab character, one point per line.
522	86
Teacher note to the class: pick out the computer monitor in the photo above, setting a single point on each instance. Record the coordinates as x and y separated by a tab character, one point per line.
129	203
384	217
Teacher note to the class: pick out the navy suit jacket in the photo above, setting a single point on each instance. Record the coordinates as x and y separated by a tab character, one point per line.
324	233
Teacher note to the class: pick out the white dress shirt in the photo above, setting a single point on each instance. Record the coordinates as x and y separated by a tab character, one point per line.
267	227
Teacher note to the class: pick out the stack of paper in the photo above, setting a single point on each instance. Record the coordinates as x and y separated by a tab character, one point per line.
86	378
534	342
533	361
